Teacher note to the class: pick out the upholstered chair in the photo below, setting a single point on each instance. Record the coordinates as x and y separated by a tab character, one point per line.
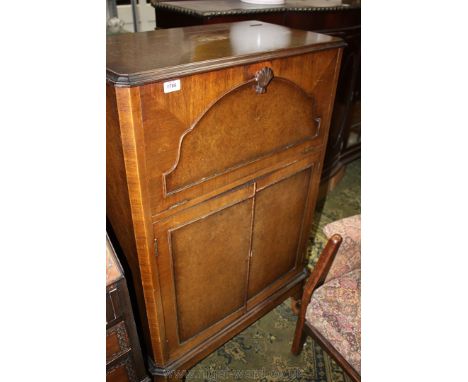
330	310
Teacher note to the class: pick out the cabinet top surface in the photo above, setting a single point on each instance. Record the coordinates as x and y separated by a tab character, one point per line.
138	58
233	7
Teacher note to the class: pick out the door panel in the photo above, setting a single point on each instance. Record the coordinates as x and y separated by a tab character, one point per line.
203	255
279	213
210	267
191	151
240	128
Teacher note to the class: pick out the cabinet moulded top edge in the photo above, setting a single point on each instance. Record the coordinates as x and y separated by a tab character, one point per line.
136	59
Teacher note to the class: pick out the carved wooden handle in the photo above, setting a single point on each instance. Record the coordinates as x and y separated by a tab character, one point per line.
263	78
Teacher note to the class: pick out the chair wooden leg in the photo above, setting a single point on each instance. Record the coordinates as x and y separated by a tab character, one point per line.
299	338
316	279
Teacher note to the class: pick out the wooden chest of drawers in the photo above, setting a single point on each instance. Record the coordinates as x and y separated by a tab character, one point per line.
215	143
124	362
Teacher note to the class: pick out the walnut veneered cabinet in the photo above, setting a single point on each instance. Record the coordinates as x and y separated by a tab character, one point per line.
215	142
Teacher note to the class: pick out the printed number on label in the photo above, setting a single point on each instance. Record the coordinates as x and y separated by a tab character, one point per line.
171	86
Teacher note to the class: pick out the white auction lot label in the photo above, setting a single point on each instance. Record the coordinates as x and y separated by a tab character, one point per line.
171	86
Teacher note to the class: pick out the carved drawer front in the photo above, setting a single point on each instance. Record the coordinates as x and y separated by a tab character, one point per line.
117	342
122	370
217	133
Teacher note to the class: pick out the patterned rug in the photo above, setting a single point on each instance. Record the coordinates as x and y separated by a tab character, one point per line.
262	351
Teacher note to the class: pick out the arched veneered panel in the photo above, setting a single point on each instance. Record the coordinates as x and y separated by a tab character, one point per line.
241	127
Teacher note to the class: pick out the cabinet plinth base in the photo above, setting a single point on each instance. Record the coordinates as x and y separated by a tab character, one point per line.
176	370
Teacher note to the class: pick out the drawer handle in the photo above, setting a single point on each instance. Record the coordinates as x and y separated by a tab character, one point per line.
263	78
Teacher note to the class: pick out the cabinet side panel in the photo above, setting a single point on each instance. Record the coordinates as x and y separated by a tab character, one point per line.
117	198
147	279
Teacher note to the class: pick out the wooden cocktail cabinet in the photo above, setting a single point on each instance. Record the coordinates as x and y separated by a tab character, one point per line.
215	143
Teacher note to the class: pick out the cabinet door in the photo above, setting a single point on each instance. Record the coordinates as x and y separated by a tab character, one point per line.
279	212
236	136
282	214
203	255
